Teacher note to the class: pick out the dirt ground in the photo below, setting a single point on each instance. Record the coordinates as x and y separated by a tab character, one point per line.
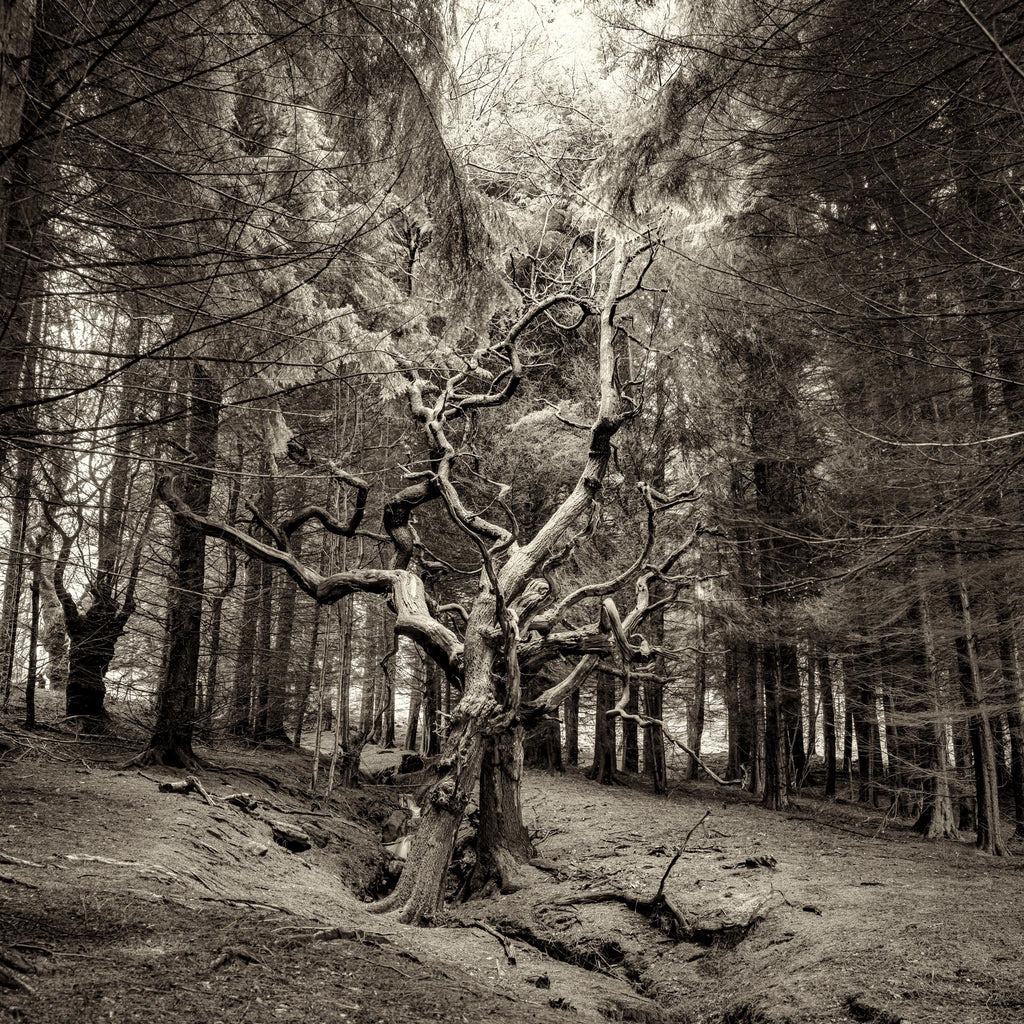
119	902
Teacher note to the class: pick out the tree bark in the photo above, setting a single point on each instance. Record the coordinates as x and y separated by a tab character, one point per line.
776	795
171	742
603	769
828	703
988	829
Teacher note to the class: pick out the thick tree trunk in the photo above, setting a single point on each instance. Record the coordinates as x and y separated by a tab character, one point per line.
655	764
603	769
542	747
171	742
14	577
572	728
94	635
431	709
503	843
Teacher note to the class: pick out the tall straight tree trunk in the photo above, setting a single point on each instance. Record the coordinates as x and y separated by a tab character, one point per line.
264	653
695	720
572	729
242	693
431	707
15	573
811	733
936	820
1011	698
16	549
415	703
281	659
171	742
776	796
828	704
792	720
306	686
603	768
31	678
217	606
630	735
989	832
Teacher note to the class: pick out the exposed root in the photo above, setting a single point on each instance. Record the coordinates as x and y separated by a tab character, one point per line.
166	757
12	965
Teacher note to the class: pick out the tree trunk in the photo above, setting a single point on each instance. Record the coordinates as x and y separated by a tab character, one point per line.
217	608
655	764
242	691
989	833
828	704
264	652
503	843
776	796
31	680
302	696
431	710
695	719
171	742
603	769
281	659
936	820
630	734
792	719
542	747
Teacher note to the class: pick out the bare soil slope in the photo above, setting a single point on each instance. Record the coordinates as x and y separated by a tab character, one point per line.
121	902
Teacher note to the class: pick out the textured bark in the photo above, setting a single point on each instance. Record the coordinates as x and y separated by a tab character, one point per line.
988	828
792	718
263	652
695	719
655	766
936	820
776	795
171	742
416	686
542	746
14	576
308	675
281	658
503	843
603	769
222	595
572	728
828	704
630	735
31	677
240	713
431	710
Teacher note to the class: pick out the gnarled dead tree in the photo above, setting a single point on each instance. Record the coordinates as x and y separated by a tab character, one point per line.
515	613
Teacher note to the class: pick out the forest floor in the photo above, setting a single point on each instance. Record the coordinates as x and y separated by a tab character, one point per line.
120	902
